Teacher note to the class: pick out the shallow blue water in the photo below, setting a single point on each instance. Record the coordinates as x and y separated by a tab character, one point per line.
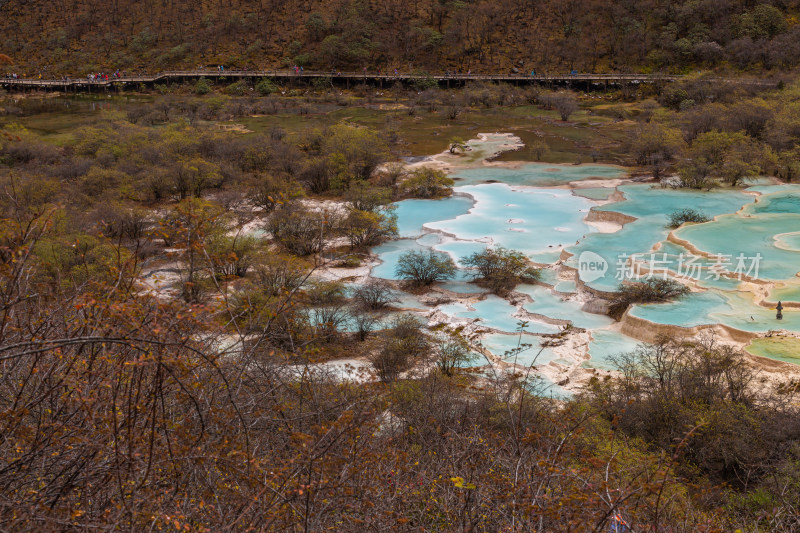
533	221
741	236
412	214
462	287
785	201
606	344
644	201
732	309
651	206
459	250
594	193
552	306
537	174
567	287
691	310
495	313
789	293
540	222
524	350
408	301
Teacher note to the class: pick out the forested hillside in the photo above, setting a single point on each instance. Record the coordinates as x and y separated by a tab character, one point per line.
195	335
76	36
167	337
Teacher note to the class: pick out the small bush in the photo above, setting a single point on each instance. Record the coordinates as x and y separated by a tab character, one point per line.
368	228
271	193
686	215
428	183
651	290
364	322
423	269
404	344
564	102
374	295
366	198
265	87
501	269
322	83
453	351
237	89
300	231
423	81
276	275
202	87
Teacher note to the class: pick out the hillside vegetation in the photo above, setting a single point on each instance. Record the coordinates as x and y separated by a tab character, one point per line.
77	36
170	331
164	331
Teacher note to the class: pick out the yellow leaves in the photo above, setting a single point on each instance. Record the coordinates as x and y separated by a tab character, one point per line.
459	482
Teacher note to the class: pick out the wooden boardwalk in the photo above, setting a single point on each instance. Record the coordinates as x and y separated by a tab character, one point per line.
348	77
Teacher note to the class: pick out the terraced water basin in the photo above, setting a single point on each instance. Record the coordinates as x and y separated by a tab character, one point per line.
538	174
785	293
548	304
497	314
740	238
605	345
594	193
785	349
524	350
734	309
526	353
534	221
412	214
651	207
788	241
538	210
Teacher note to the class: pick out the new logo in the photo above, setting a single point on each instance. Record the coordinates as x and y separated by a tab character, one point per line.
591	266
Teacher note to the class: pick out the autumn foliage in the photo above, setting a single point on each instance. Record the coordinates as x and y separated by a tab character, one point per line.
161	368
78	36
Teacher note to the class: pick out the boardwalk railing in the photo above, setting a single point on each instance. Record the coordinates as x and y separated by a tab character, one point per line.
182	75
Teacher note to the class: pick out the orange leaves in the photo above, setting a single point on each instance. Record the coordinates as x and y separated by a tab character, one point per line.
12	138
